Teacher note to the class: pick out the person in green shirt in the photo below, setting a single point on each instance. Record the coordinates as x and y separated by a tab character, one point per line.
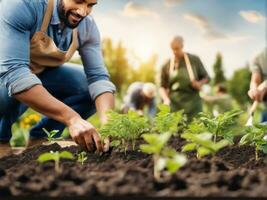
181	79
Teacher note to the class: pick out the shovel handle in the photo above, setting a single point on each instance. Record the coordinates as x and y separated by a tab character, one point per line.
253	107
255	103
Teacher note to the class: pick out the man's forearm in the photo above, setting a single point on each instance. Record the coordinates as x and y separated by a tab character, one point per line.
163	93
42	101
255	80
104	102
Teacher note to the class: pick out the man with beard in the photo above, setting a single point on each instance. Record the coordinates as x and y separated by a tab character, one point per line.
37	39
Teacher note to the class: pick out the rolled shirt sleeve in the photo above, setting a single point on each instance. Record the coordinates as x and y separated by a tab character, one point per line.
91	55
16	19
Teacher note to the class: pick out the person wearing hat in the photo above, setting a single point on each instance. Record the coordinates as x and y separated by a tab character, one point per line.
181	79
37	39
140	95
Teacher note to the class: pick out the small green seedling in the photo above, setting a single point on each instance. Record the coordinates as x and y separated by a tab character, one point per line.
255	136
167	121
221	125
51	134
202	144
82	157
55	156
164	157
124	129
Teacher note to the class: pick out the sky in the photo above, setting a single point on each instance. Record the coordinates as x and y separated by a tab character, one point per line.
236	28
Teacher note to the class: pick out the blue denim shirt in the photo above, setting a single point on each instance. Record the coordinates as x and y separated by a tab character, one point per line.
19	20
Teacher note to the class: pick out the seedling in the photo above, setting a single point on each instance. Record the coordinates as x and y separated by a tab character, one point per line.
164	157
124	129
82	157
165	121
55	156
51	134
221	125
255	136
202	144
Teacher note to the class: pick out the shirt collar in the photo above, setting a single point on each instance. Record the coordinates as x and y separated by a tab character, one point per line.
55	17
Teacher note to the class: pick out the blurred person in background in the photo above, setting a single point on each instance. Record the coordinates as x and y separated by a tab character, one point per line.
219	102
140	96
259	75
181	80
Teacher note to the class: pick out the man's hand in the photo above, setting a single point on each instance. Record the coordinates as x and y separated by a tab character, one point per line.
167	101
85	135
196	85
257	94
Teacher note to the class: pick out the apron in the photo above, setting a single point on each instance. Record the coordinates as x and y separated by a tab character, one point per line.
182	95
43	51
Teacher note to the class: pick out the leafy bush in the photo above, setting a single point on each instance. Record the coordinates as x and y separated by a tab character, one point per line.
163	156
221	125
202	144
255	137
165	121
124	128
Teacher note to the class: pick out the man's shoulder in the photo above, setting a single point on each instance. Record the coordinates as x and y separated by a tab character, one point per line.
86	23
29	3
193	56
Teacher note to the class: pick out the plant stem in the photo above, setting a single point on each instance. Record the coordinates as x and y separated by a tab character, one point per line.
256	154
133	143
215	138
57	161
156	172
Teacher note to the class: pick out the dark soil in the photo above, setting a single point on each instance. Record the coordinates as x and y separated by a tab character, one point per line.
233	172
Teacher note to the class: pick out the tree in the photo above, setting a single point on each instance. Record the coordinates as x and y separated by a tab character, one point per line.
116	62
238	86
146	71
218	70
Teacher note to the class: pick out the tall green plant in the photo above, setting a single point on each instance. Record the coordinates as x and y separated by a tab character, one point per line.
163	156
55	156
221	125
124	129
166	121
255	137
202	144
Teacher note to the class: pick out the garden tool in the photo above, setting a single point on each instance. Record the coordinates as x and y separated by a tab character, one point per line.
253	108
251	113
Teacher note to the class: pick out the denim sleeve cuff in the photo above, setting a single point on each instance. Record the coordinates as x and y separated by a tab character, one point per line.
24	83
99	87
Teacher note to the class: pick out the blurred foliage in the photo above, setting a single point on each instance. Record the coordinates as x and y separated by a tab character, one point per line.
218	70
122	73
238	86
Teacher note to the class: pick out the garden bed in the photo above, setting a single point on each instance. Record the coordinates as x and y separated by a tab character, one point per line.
232	172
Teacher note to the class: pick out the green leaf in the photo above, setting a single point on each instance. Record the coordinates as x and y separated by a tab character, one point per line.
189	147
46	157
202	151
176	163
220	144
149	149
66	155
264	148
115	143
